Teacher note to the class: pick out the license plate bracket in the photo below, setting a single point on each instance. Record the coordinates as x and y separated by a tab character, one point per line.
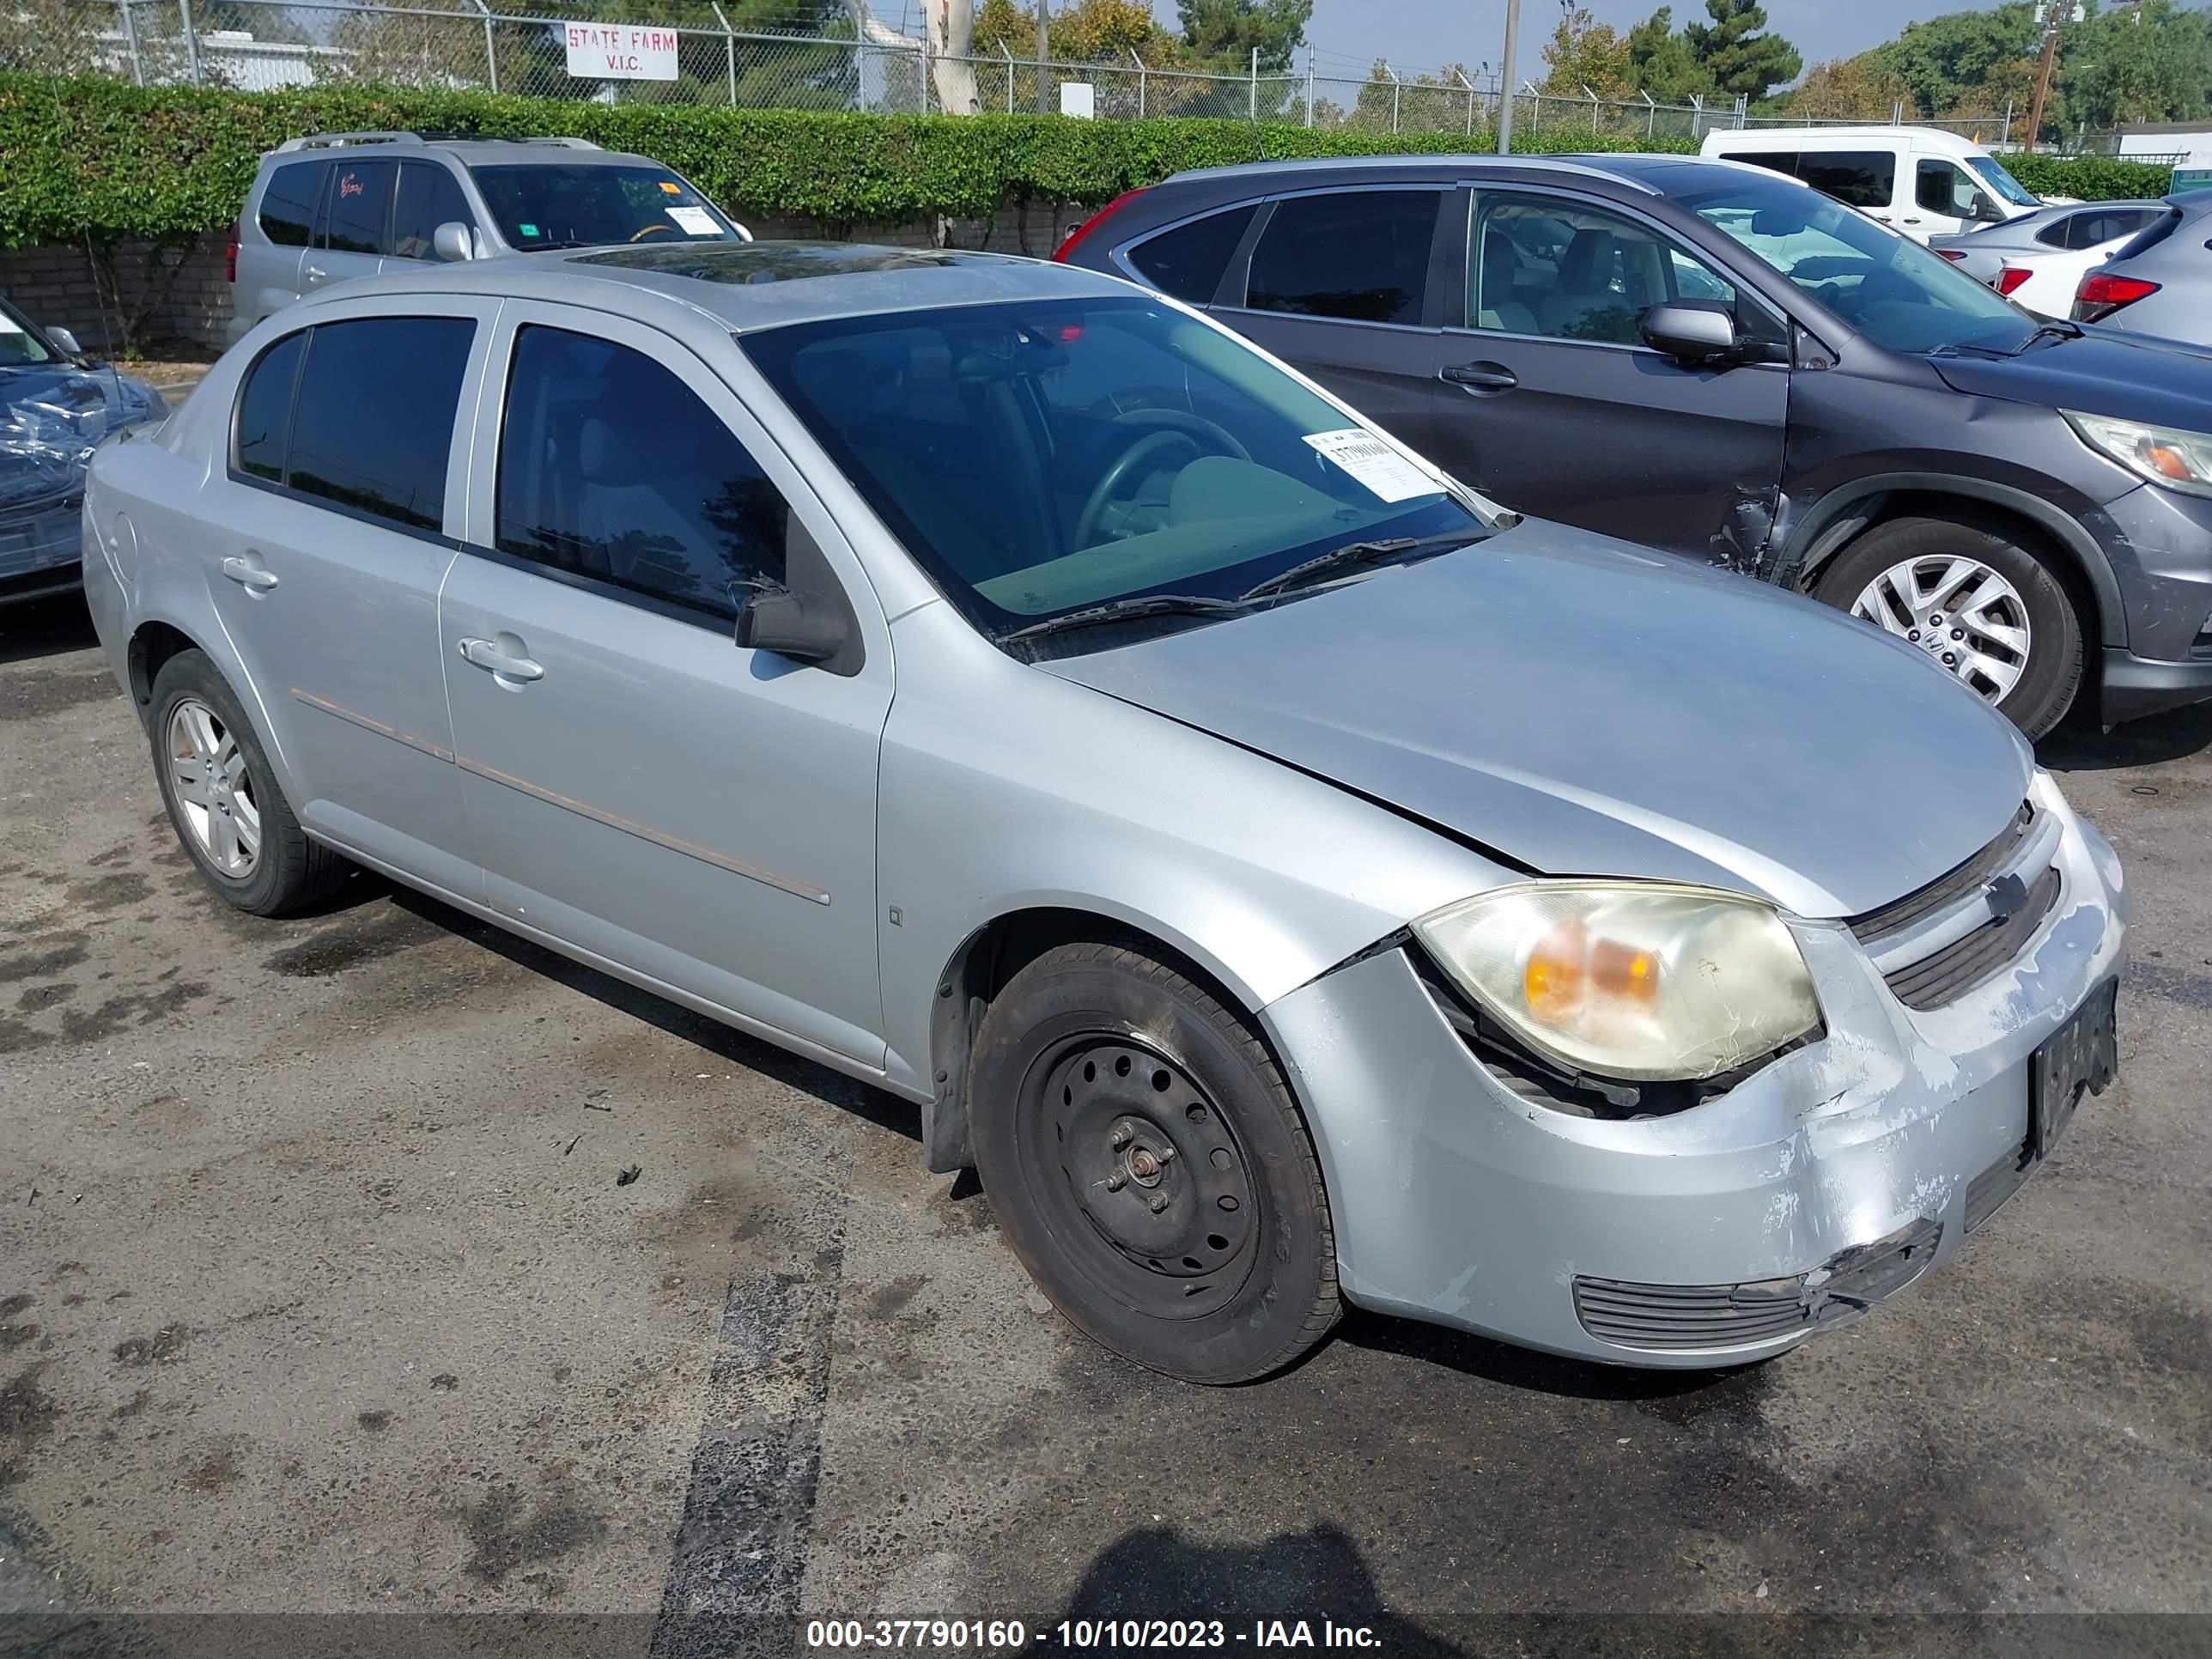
2083	1056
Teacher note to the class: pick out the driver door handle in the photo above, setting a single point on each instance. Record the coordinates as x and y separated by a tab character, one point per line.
486	653
1486	377
314	273
250	573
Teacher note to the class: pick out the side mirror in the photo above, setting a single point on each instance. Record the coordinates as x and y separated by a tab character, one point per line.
1986	212
1691	332
451	242
65	343
800	626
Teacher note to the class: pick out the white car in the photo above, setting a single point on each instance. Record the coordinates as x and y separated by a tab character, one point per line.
1921	181
2038	261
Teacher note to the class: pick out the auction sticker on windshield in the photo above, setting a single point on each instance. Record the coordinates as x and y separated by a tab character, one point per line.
697	221
1385	473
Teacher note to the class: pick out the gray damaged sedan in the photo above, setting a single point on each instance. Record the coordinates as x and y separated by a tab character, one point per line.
1286	877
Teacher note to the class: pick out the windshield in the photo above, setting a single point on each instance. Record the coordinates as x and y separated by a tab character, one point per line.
21	343
1991	173
1044	458
1886	286
549	204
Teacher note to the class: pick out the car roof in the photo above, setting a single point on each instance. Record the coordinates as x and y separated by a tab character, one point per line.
475	151
1457	165
743	287
1822	136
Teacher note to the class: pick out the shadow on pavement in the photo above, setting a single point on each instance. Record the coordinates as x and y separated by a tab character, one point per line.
1533	1372
2079	746
45	628
1314	1574
879	1107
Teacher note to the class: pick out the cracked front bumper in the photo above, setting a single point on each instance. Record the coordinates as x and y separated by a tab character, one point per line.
1827	1181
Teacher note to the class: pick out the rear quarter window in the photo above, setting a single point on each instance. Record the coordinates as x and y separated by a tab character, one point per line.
1188	261
288	201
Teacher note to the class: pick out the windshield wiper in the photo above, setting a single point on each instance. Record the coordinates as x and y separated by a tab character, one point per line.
1390	550
1143	605
2048	331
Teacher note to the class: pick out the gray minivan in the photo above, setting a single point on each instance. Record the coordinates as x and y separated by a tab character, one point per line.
342	204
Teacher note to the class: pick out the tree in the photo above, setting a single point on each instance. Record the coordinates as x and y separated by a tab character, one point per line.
1102	31
2150	61
1741	61
1221	34
1847	90
1584	52
1948	62
1661	62
951	26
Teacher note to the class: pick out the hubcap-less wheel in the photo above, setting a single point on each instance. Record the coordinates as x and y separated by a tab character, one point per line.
1967	617
213	788
1128	1147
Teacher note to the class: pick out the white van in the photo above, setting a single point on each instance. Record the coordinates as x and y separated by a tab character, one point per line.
1923	181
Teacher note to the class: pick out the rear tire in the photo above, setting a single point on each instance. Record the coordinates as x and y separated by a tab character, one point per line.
1901	572
1150	1168
222	798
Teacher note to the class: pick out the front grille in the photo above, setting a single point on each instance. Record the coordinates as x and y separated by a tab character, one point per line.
1876	926
1949	974
1679	1316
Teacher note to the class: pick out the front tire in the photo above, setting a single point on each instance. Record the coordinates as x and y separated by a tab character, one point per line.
222	798
1991	610
1144	1155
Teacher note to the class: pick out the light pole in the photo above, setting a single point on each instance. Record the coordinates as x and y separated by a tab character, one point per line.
1505	77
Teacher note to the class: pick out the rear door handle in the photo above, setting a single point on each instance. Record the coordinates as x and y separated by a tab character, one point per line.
1486	377
507	664
248	573
314	273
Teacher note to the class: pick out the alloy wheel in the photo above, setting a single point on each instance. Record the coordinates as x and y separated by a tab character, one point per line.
1966	617
214	789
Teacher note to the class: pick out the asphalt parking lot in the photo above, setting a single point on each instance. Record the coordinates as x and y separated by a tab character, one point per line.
378	1262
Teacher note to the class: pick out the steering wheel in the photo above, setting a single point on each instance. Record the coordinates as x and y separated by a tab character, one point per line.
1180	430
648	230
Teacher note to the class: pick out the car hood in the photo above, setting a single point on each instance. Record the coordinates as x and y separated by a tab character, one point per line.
2128	377
1583	708
52	417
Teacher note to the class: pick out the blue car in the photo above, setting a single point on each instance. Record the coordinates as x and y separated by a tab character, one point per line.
55	406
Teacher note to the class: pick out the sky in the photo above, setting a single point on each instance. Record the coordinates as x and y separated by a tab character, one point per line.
1424	33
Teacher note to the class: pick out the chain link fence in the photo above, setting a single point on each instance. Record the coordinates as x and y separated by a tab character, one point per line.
522	46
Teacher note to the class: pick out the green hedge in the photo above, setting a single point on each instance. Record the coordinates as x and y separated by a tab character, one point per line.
95	158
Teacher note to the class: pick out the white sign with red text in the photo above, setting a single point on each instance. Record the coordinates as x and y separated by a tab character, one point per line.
618	51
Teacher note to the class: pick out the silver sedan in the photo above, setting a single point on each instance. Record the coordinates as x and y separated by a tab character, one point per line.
1286	877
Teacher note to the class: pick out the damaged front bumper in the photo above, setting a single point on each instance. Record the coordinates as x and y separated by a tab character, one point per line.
1827	1181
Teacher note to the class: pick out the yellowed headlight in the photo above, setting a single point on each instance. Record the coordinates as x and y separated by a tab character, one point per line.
1642	981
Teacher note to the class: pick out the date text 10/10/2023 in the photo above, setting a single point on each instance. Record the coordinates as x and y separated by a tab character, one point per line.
1005	1635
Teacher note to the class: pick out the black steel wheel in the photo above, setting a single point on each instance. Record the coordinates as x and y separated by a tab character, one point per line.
1150	1168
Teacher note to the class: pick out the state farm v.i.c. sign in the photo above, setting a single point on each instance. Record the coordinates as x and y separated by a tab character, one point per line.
618	51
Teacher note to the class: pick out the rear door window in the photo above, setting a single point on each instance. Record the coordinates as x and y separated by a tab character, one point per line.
288	201
1187	262
358	415
1361	255
429	196
357	207
1859	178
610	467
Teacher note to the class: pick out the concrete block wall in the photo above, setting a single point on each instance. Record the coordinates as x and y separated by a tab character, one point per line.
55	286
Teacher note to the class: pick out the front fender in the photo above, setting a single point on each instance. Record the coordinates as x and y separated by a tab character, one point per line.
1004	790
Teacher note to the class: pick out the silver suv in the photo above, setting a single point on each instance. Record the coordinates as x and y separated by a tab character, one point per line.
344	204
